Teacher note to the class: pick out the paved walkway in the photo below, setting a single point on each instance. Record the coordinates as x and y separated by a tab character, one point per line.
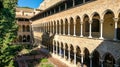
57	62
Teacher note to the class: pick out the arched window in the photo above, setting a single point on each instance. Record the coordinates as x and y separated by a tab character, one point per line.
28	38
24	38
28	28
95	25
23	27
20	38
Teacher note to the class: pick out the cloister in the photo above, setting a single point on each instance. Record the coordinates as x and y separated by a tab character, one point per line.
107	27
86	35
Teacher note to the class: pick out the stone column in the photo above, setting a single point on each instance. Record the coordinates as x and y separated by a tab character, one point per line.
90	29
82	56
69	54
75	56
56	28
68	28
83	1
73	3
74	29
101	29
53	47
60	49
101	61
65	5
115	31
53	28
90	60
59	9
81	31
60	28
63	28
116	65
56	49
64	53
50	28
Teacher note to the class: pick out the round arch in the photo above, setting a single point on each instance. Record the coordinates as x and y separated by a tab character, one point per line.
78	55
71	53
23	27
86	57
66	51
28	28
95	25
58	25
24	38
95	58
66	26
78	25
108	25
28	38
71	26
20	38
109	60
86	25
61	21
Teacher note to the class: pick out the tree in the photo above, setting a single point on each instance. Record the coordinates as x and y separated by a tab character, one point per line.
8	32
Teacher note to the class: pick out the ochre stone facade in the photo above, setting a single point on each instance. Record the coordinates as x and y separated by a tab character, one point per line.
84	34
23	16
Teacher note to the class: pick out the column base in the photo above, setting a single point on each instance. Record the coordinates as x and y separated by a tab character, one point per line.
64	34
81	35
90	37
69	34
115	39
74	35
101	38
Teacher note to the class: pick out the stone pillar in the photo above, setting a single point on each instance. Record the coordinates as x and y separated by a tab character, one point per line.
90	60
54	11
74	29
73	3
50	28
69	54
53	27
60	28
63	28
53	48
101	61
75	56
56	28
82	56
90	29
81	31
65	5
56	49
101	29
115	31
59	9
116	65
68	28
64	53
60	49
83	1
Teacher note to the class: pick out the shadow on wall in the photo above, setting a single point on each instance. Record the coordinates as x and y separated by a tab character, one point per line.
47	38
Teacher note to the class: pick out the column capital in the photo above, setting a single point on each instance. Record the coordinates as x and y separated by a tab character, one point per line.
90	56
101	20
116	65
101	60
75	51
116	19
81	22
90	21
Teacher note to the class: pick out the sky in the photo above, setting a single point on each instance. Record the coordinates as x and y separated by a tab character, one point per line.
29	3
